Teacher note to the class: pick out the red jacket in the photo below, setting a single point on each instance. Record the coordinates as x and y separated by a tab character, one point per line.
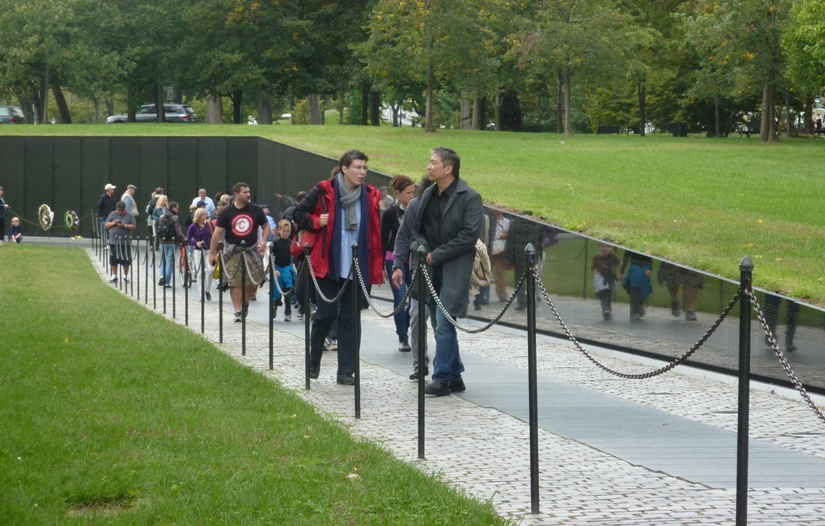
321	200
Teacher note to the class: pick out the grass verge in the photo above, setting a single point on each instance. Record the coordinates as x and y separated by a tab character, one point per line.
112	414
700	202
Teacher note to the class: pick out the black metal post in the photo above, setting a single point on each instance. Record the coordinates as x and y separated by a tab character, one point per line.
187	282
154	277
219	263
243	298
118	248
356	329
175	250
532	379
746	275
422	345
135	268
307	314
271	257
586	274
203	289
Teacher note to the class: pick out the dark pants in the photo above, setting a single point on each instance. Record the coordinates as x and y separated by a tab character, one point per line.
772	315
324	319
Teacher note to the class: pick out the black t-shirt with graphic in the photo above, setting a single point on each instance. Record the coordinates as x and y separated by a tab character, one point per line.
241	224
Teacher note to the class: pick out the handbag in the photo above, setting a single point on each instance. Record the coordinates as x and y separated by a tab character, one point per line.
305	236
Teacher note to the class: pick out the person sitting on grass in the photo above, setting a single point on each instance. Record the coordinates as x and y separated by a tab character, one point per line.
15	231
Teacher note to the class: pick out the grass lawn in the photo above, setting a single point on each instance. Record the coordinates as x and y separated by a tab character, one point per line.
112	414
696	201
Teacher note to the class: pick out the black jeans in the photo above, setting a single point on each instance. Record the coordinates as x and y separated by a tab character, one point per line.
326	316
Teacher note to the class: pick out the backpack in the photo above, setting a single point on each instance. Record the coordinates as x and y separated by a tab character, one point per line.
166	227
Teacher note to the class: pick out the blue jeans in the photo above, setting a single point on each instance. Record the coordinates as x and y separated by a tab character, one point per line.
447	363
167	261
402	317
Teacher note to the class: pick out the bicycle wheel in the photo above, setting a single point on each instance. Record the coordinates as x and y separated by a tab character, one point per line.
184	275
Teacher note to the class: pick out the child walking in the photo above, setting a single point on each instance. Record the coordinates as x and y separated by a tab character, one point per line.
604	277
284	269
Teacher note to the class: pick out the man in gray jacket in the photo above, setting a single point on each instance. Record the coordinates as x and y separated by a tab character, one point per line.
448	225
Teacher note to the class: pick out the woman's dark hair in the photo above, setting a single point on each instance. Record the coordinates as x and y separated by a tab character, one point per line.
400	182
351	155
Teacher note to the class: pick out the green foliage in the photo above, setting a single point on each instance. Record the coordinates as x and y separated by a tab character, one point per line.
112	414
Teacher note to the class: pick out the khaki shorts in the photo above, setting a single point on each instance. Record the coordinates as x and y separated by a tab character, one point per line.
254	269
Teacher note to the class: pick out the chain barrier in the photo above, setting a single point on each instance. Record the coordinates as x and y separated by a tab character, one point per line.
626	376
227	278
318	288
782	358
403	302
11	211
278	285
249	272
474	330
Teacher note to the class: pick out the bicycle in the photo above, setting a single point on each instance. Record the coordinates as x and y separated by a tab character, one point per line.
185	268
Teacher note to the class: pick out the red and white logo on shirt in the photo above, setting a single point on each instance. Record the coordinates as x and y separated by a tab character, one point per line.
242	225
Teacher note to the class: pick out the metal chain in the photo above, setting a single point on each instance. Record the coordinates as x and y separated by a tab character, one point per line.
642	376
227	278
318	288
403	302
476	330
249	272
779	354
277	284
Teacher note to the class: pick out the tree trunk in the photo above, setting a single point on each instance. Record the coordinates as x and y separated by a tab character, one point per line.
789	124
559	101
161	115
264	107
314	109
809	114
396	109
477	121
428	120
214	110
110	106
767	131
642	118
716	120
131	105
60	99
466	115
497	108
237	95
365	106
375	109
568	125
97	110
44	118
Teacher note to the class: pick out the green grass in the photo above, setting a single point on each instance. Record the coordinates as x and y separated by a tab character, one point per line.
696	201
112	414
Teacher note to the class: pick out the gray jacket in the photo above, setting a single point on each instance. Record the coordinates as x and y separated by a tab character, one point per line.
460	229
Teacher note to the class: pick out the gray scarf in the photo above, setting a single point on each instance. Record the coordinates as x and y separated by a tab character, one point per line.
348	201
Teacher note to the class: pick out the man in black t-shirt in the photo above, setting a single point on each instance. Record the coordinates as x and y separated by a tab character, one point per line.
237	223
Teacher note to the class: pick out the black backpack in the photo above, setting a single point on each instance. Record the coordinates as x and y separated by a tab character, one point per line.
166	227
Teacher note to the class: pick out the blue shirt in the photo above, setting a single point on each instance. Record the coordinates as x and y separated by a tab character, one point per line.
348	237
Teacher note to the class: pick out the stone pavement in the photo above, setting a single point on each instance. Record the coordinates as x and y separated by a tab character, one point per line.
612	451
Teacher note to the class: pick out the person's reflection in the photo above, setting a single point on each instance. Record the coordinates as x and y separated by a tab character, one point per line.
522	231
772	302
635	275
689	280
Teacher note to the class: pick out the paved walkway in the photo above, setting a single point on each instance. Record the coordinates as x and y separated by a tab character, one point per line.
612	451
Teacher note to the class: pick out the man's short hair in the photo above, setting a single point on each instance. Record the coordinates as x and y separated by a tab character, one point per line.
158	190
201	191
238	186
120	205
346	160
172	204
131	187
448	158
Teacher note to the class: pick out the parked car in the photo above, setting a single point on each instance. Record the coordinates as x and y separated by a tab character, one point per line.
12	115
148	113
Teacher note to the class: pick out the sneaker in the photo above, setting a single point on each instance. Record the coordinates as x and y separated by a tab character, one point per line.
345	379
113	279
330	344
414	375
789	346
287	317
254	297
606	314
674	309
404	347
274	310
126	279
635	317
238	316
208	296
690	315
194	278
161	282
300	317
